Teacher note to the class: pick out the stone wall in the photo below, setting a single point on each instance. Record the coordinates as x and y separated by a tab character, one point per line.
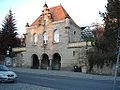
106	70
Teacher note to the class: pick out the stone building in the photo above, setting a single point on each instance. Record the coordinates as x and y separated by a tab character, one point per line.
53	41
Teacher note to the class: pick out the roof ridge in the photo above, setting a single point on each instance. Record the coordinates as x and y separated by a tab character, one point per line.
65	12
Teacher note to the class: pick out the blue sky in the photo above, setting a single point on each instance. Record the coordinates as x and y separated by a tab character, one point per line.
83	12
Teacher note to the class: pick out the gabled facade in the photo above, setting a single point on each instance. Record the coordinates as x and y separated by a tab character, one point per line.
48	40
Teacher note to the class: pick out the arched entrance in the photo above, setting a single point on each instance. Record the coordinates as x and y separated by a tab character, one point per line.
45	61
56	62
35	61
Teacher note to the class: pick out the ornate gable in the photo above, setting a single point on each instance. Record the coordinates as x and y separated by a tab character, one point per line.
54	13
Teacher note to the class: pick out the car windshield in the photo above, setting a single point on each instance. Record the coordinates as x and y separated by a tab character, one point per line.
3	68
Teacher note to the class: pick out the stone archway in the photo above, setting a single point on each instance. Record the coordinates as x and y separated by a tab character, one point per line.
56	62
45	62
35	61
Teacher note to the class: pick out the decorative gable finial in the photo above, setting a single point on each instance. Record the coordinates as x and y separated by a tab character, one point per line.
45	5
60	4
45	1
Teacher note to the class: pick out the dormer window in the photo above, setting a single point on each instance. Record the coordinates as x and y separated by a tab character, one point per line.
56	36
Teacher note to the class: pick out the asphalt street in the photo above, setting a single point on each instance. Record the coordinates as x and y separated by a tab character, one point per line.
37	79
64	82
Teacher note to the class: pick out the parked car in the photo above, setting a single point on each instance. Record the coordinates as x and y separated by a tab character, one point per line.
6	75
76	68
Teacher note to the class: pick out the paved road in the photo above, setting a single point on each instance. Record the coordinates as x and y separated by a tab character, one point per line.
64	82
66	73
36	79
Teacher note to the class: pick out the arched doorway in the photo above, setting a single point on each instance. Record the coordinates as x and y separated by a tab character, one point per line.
45	61
35	61
56	62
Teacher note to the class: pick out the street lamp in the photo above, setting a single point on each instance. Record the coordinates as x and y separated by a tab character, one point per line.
8	60
8	52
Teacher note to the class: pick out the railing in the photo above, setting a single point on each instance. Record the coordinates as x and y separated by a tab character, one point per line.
19	49
79	44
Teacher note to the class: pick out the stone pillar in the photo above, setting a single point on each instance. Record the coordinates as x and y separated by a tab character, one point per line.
50	58
67	25
40	63
50	64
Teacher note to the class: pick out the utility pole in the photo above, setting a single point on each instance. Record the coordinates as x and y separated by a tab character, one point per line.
118	45
118	53
118	57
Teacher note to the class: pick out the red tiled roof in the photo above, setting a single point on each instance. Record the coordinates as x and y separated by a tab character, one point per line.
36	22
57	12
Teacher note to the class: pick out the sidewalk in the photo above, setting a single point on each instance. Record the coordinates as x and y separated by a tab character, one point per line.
22	86
65	73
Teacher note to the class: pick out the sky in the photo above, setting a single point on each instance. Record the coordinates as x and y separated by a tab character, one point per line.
83	12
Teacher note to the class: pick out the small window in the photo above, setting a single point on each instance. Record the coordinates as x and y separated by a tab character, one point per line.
56	36
74	32
21	55
44	22
73	53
